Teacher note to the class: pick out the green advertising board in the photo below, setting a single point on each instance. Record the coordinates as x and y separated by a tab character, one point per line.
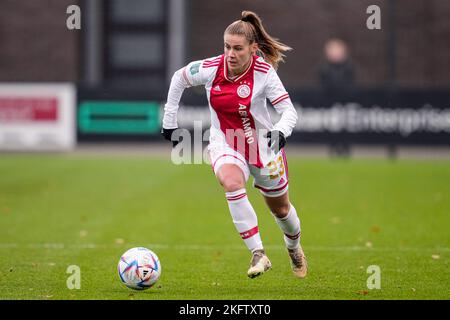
118	117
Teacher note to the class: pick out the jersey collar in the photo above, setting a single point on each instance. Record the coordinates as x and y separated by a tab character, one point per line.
225	71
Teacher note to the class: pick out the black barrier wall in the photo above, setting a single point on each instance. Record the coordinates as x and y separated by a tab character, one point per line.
367	117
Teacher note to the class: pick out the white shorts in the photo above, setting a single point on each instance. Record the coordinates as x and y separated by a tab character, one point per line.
272	180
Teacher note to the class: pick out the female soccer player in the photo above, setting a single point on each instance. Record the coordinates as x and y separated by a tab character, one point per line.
243	140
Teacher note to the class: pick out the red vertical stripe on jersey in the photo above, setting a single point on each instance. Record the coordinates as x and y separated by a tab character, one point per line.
233	112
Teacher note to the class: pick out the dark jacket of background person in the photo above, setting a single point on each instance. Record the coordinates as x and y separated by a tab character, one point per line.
337	76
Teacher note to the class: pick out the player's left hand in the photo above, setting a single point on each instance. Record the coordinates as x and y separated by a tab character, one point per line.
277	140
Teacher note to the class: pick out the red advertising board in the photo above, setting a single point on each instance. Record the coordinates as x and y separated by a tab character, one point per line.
29	109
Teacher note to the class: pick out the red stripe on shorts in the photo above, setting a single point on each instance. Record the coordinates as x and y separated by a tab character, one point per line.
224	155
285	163
272	190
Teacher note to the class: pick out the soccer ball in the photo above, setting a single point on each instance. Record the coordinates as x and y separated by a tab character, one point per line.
139	268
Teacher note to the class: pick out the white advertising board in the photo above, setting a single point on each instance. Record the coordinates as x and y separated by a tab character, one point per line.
37	117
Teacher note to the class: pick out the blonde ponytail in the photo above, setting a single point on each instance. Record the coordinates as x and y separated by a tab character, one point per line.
252	28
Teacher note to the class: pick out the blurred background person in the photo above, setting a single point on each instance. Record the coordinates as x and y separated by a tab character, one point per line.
337	75
337	80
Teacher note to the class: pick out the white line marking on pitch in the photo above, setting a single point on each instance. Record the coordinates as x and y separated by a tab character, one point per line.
60	246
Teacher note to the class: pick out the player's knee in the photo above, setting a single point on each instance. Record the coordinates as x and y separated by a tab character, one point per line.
232	184
281	210
231	178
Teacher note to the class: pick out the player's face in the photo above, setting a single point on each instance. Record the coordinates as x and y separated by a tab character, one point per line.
238	52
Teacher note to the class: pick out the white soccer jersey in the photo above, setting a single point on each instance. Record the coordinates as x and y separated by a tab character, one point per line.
238	106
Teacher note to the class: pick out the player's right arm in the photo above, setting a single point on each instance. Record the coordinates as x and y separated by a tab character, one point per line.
194	74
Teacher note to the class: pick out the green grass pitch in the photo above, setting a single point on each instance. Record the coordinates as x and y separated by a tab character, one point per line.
84	210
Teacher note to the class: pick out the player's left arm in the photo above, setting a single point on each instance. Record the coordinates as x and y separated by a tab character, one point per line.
279	98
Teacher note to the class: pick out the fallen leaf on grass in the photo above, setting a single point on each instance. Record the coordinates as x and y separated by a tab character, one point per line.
363	292
375	229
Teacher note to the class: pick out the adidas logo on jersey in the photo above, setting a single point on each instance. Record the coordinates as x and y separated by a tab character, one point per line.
217	88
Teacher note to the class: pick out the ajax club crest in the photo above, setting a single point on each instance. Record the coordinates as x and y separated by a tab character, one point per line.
243	91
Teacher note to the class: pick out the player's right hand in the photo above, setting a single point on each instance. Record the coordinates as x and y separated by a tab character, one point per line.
167	134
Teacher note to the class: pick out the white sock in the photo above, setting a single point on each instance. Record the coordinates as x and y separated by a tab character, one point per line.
244	218
290	225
